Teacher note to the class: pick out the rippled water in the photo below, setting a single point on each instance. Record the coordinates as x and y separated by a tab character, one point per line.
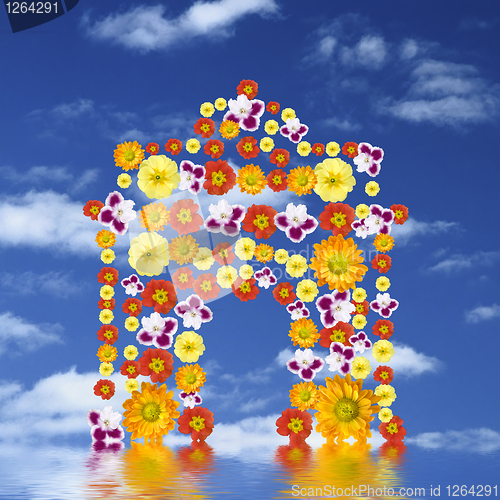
154	472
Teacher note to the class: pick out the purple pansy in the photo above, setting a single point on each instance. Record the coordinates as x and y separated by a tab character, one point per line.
193	312
225	218
105	425
297	310
305	364
294	130
368	159
157	331
117	213
360	342
380	220
340	358
384	305
265	278
246	113
132	285
191	176
190	399
360	227
295	222
335	307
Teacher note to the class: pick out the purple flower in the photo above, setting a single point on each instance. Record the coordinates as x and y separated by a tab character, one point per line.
246	113
294	130
132	285
193	312
117	213
157	331
360	342
190	399
335	307
305	364
295	222
360	227
340	358
380	220
368	159
297	310
384	305
191	176
105	425
265	278
225	218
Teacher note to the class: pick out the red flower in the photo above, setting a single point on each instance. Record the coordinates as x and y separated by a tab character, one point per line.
273	107
106	304
381	262
400	214
318	149
341	332
108	276
277	181
219	177
384	328
383	374
156	363
280	157
350	149
132	307
183	278
248	88
159	294
214	148
247	147
92	209
245	290
199	422
337	218
184	217
296	424
393	430
259	219
104	388
205	127
153	148
206	286
284	294
361	307
130	369
173	146
223	254
108	334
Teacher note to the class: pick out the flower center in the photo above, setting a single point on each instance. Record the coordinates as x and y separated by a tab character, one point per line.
206	286
305	396
304	333
337	336
332	180
338	264
190	378
160	296
302	180
218	178
399	214
277	180
183	249
261	221
295	425
129	155
384	375
284	293
183	278
197	423
131	369
151	412
245	287
205	127
248	89
184	216
280	158
251	180
105	389
94	210
214	148
392	428
248	146
384	329
157	365
338	219
346	410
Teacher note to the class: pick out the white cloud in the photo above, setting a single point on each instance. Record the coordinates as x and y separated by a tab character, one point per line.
458	262
56	283
482	313
326	47
344	124
402	233
146	28
409	49
370	52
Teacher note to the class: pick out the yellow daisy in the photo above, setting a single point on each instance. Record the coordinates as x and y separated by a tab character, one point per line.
105	238
304	333
106	369
251	179
304	148
385	414
246	271
383	242
131	324
266	144
124	181
108	256
263	253
148	254
362	211
107	353
287	114
190	378
296	266
304	396
359	321
229	129
360	367
183	249
154	216
382	284
386	393
128	155
158	177
106	316
301	180
131	385
382	351
130	352
207	109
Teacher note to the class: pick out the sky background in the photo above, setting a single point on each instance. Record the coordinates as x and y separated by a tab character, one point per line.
418	79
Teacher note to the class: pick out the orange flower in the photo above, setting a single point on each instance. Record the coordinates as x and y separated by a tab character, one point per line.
107	353
245	290
173	146
108	276
382	263
219	177
130	369
337	218
206	286
383	242
341	332
259	219
350	149
104	388
276	180
247	147
263	253
384	328
280	157
318	149
229	129
105	238
159	294
393	430
205	127
153	148
199	422
284	294
156	363
92	209
106	304
383	374
361	307
183	278
214	148
301	180
294	423
223	253
132	307
184	217
400	213
108	334
248	88
273	107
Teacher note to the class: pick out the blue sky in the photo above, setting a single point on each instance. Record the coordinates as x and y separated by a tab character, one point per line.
420	80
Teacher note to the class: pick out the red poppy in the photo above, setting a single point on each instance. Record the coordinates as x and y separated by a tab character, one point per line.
205	127
381	262
153	148
108	334
106	304
361	307
183	278
350	149
318	149
108	276
159	294
245	290
337	218
284	294
294	423
130	369
104	388
206	286
184	217
393	430
156	363
341	332
383	374
280	157
173	146
248	88
247	147
199	422
273	107
219	177
223	253
132	307
92	209
214	148
259	219
277	181
384	328
400	214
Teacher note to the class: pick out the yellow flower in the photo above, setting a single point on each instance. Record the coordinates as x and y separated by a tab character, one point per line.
304	333
183	249
207	109
124	181
193	146
307	290
332	149
190	378
372	188
385	414
296	266
358	321
271	127
382	284
246	271
105	238
106	316
107	353
107	292
264	253
382	351
226	276
204	259
386	393
131	385
360	367
158	177
304	148
383	242
107	256
251	179
301	180
287	114
106	369
148	254
189	347
266	144
128	155
131	324
220	104
335	180
281	256
229	129
304	396
359	295
154	216
244	248
130	352
362	211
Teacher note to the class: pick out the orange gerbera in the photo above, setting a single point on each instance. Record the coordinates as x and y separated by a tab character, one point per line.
361	307
130	369
245	290
128	155
229	129
382	263
338	263
108	334
105	389
206	286
304	333
383	242
132	307
341	332
383	328
219	177
350	149
251	179
157	364
247	147
273	107
280	157
108	276
153	148
248	88
106	304
263	253
223	253
284	294
183	249
205	127
400	213
107	353
184	217
259	219
173	146
183	278
276	180
199	422
214	148
159	294
301	180
92	209
105	238
337	218
154	216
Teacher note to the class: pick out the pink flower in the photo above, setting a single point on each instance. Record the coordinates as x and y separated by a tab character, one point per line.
305	364
369	159
360	342
117	213
335	307
295	222
340	358
294	130
193	312
380	220
246	113
191	176
225	218
265	278
298	310
384	305
157	331
105	426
